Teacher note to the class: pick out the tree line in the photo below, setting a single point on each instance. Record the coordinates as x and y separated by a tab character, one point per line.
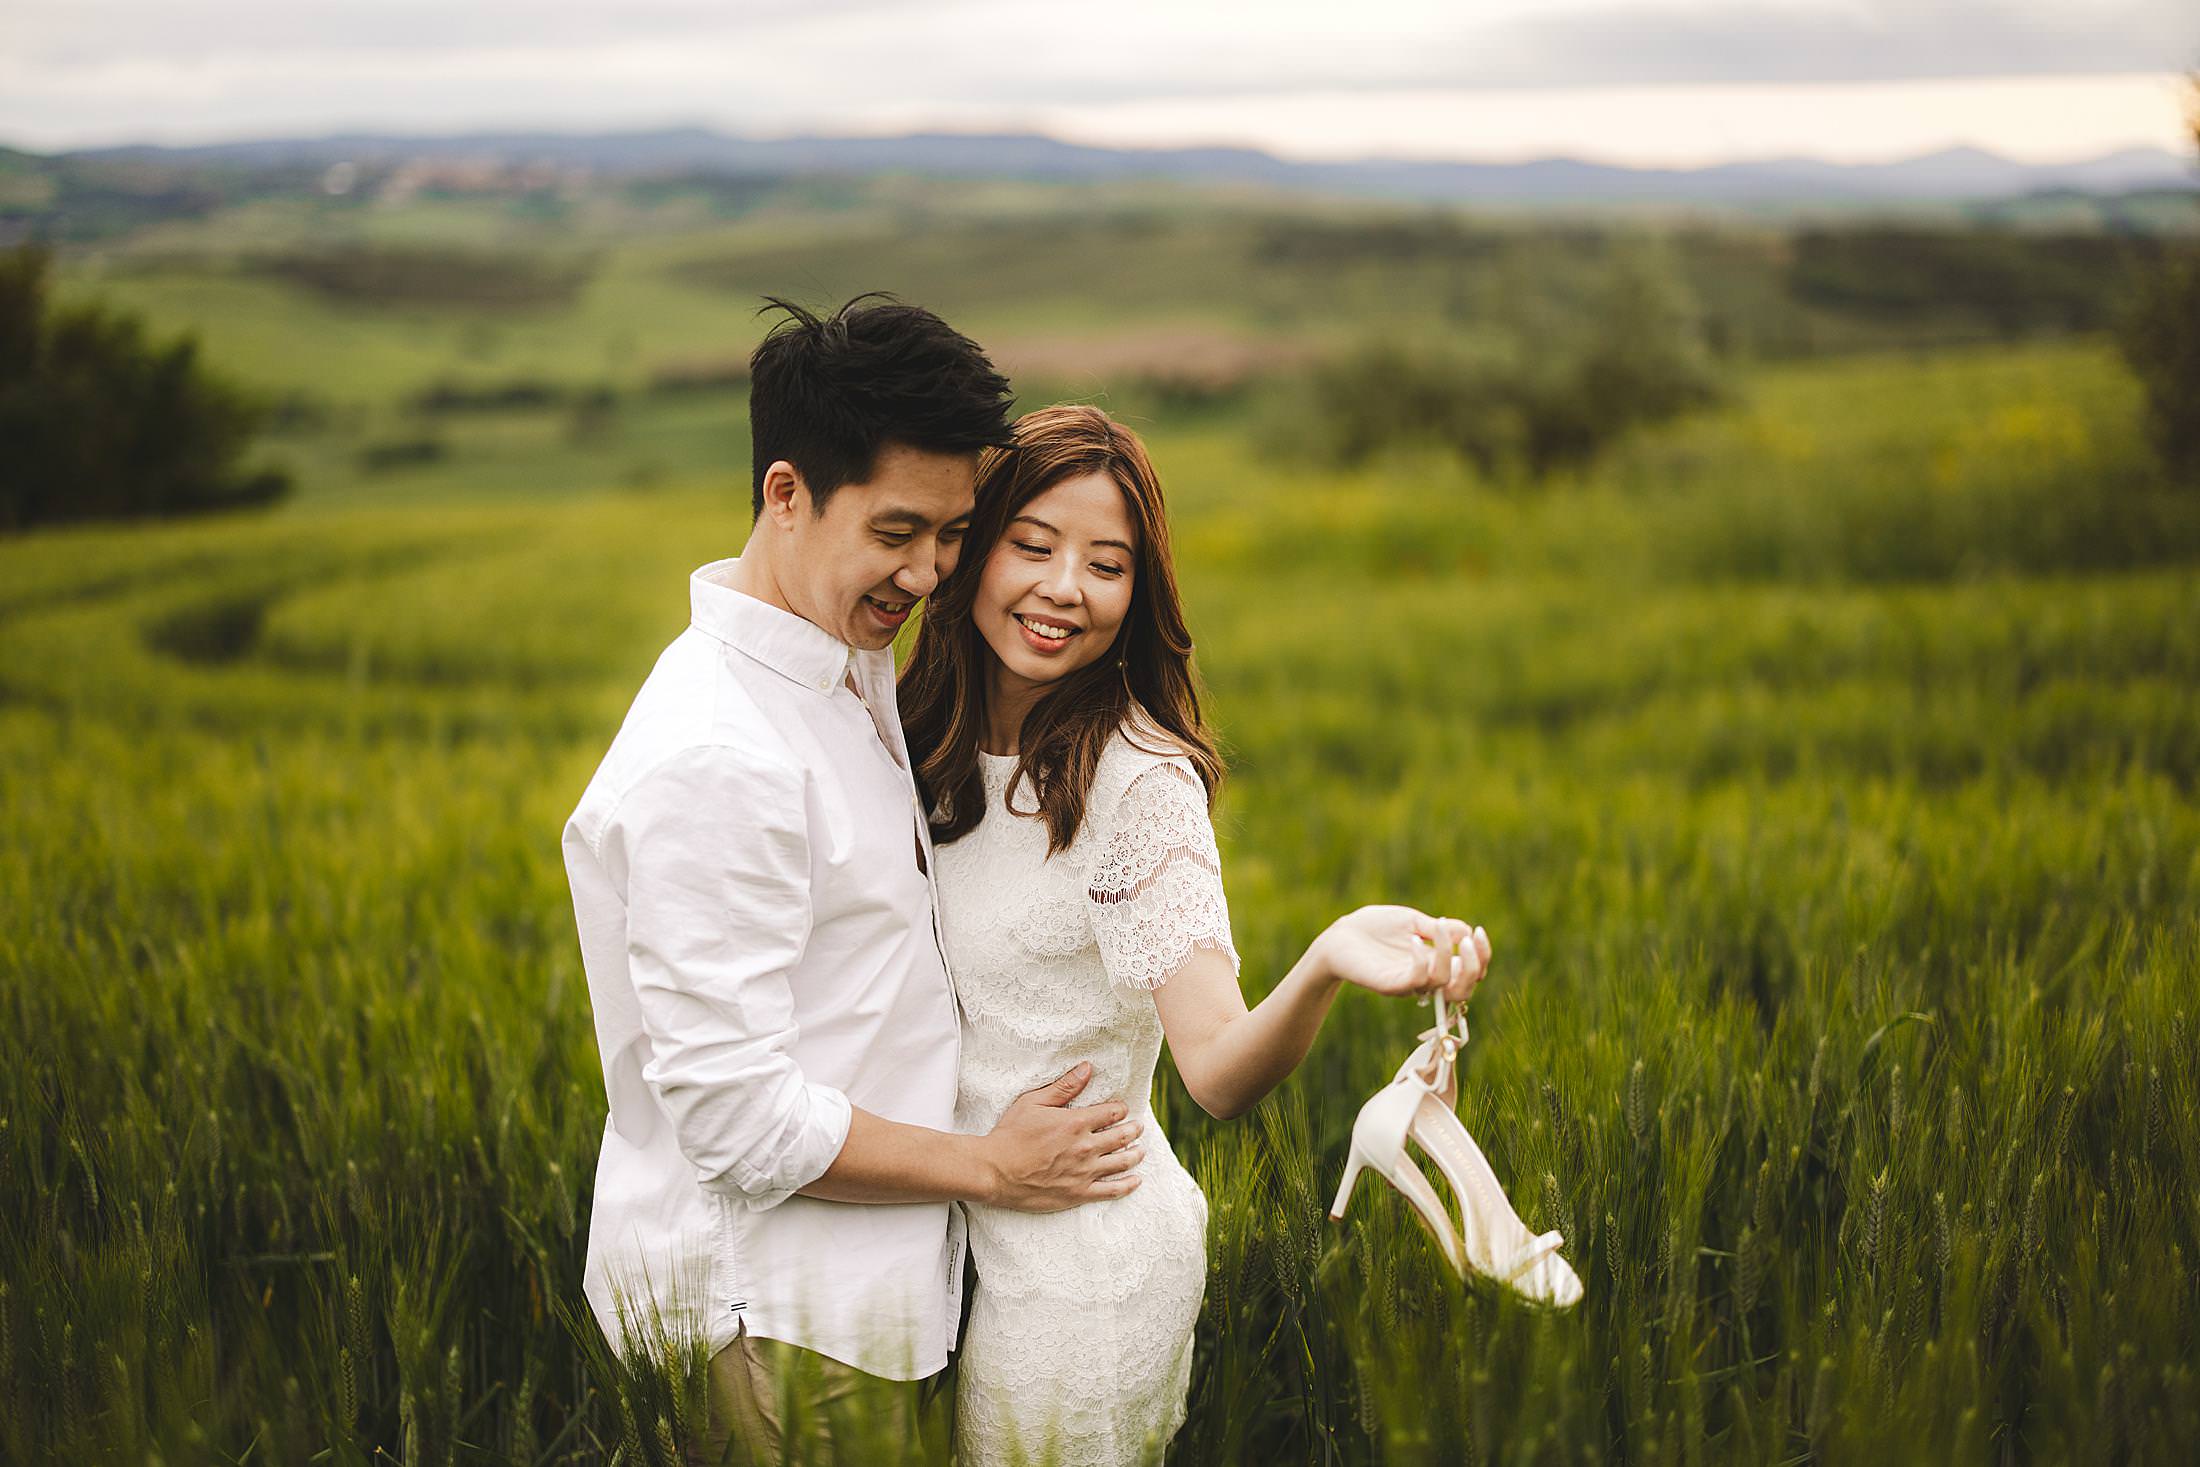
98	420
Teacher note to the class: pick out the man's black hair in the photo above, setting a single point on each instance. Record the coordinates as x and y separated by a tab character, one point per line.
826	392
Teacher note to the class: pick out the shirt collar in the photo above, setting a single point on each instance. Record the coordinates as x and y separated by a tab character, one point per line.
790	646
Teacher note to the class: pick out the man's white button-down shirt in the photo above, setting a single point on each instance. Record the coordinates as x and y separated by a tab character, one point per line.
761	954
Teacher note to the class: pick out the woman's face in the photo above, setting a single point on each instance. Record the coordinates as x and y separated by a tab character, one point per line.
1056	587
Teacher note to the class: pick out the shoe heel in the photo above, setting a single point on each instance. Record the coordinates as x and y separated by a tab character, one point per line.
1352	1169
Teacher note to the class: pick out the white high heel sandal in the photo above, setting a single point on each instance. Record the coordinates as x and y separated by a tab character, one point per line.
1419	1103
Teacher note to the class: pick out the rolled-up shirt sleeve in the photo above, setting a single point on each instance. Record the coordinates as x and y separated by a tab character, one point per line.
712	849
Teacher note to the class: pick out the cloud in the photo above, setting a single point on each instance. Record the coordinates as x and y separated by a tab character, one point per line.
73	71
1620	45
1019	51
1615	43
91	32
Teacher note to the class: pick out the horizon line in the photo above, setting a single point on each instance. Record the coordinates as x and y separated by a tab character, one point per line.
383	133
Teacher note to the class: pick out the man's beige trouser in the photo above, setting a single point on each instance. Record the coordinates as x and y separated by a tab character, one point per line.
772	1403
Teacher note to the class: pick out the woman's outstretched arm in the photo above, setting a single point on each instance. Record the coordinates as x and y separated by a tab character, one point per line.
1230	1056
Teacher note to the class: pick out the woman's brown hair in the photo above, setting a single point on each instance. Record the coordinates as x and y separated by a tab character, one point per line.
943	689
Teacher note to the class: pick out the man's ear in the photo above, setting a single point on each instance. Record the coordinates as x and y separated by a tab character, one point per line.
785	493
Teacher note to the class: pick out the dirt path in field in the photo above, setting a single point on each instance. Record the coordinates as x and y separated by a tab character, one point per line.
1187	355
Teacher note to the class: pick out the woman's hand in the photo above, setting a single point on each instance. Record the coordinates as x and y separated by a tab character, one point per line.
1401	950
1229	1057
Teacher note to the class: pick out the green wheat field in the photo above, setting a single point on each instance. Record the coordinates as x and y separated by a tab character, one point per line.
1823	767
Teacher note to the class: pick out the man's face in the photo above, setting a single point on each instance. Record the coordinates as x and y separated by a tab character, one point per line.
859	569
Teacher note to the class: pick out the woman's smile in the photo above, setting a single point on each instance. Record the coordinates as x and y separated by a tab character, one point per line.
1045	634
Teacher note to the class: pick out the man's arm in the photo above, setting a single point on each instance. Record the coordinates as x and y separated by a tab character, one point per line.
711	848
1044	1156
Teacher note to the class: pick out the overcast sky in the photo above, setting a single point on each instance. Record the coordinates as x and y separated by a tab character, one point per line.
1644	81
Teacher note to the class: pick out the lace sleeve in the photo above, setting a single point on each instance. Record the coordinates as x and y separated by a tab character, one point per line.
1156	889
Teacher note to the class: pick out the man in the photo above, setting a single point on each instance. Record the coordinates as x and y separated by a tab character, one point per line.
751	872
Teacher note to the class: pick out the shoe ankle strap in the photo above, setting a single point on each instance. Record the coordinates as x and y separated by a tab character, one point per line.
1443	1041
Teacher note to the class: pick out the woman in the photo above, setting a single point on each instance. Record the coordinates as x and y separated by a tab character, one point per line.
1052	714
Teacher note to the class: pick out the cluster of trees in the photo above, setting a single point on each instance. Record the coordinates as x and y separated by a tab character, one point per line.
74	199
1397	239
2161	340
100	422
1549	397
430	275
448	396
2015	282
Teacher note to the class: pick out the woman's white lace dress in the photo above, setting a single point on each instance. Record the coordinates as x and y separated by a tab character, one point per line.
1079	1345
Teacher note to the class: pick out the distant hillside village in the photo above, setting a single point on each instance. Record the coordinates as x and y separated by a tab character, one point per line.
486	175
